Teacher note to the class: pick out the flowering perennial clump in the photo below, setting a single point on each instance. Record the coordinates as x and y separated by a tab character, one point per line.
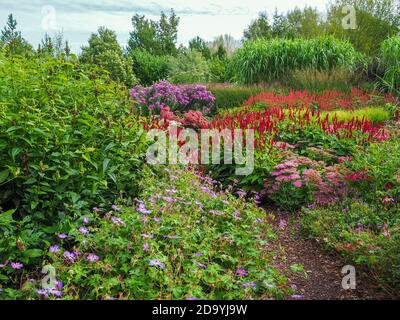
176	97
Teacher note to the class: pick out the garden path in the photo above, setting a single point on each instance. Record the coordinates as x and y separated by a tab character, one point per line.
312	272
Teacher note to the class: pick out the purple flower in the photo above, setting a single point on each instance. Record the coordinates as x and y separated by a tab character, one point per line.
201	265
95	209
198	254
83	230
170	237
118	221
157	219
249	284
192	299
147	236
241	193
157	263
146	247
115	208
92	258
16	265
3	265
241	273
70	257
171	192
169	200
54	249
43	292
62	236
86	220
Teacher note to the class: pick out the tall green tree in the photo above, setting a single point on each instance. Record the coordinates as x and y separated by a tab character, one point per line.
201	46
11	39
259	28
105	51
375	21
156	37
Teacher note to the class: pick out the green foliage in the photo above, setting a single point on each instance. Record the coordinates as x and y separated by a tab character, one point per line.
104	50
65	141
189	67
305	23
149	68
375	115
380	163
390	60
200	45
232	96
265	61
218	70
363	236
375	19
156	37
190	243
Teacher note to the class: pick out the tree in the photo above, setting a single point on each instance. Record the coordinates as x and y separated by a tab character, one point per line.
189	67
105	51
201	46
375	21
11	39
54	46
156	37
227	42
259	28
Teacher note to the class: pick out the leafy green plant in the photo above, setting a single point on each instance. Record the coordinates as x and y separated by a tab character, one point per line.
149	68
181	240
265	61
390	60
189	67
67	140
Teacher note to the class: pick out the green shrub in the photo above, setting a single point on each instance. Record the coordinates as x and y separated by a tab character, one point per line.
149	68
189	67
379	164
218	70
373	114
362	236
183	240
64	140
231	96
390	60
265	61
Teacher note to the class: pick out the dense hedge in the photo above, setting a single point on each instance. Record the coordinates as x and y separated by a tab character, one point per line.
64	140
231	96
270	60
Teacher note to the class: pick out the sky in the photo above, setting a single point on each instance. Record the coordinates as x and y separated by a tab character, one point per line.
77	19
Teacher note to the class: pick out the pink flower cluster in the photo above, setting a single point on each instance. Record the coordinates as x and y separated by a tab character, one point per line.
327	183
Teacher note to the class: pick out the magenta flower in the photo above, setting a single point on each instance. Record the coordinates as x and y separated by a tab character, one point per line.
92	258
298	184
157	263
16	265
249	284
3	265
83	230
241	273
118	221
70	257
